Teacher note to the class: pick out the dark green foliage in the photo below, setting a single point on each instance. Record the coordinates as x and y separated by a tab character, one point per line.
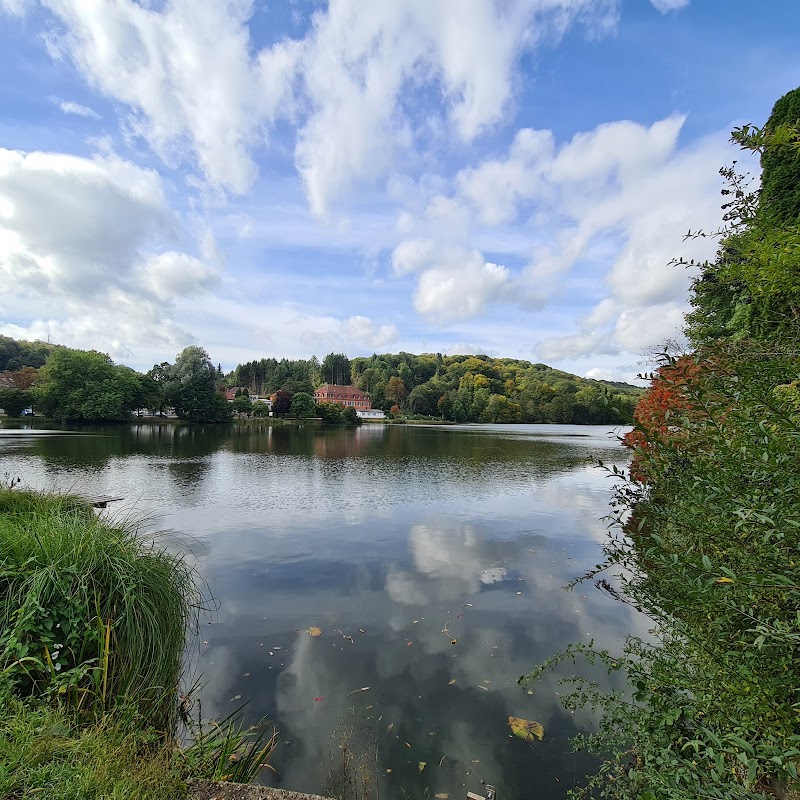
780	179
350	416
86	385
752	287
268	375
13	401
330	413
242	404
470	388
336	369
302	406
17	354
191	387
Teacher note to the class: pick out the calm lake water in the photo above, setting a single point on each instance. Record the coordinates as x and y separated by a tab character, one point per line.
432	559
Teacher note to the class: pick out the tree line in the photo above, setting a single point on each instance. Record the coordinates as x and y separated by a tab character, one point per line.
459	388
67	384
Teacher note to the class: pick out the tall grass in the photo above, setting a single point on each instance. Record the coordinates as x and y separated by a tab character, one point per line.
90	612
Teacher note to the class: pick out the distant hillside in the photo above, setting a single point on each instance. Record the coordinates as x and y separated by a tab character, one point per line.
463	388
15	355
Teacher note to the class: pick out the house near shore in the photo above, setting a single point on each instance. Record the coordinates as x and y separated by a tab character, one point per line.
348	396
370	413
230	396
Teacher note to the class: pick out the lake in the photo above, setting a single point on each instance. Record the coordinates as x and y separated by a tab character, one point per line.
432	560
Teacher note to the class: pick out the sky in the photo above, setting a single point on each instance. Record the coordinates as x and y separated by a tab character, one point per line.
284	179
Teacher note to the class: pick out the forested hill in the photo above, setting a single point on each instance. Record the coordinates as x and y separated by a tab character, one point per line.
462	388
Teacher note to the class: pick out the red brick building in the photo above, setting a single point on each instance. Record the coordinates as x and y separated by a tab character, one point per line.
346	395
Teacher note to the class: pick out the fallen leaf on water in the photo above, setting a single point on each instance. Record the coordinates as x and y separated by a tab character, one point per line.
450	683
389	727
442	796
407	744
317	699
314	631
388	770
408	644
422	765
525	729
453	641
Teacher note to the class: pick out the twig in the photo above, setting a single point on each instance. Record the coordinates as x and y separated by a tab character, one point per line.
344	636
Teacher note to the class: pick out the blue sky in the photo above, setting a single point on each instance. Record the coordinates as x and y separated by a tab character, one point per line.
295	178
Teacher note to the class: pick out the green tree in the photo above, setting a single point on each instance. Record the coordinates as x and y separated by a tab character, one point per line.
336	369
86	385
12	401
350	416
303	406
331	413
780	165
242	405
192	387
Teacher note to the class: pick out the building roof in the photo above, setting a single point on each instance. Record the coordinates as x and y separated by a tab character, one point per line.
341	392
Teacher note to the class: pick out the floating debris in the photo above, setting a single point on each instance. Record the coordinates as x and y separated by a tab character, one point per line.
526	729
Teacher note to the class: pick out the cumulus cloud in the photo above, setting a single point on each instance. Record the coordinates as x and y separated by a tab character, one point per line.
495	187
186	73
360	61
83	251
450	293
196	87
363	331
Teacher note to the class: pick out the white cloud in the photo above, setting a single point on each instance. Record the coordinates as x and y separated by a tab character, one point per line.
15	7
495	187
83	252
453	292
665	6
196	88
70	107
363	331
187	75
579	345
361	59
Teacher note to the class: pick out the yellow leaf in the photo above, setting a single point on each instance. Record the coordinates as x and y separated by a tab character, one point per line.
422	765
314	631
525	729
724	580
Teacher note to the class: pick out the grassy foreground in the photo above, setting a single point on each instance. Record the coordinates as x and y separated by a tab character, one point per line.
93	621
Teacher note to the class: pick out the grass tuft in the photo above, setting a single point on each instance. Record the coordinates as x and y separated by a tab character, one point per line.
90	612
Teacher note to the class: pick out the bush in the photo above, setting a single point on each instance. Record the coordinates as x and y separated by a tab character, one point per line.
707	547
